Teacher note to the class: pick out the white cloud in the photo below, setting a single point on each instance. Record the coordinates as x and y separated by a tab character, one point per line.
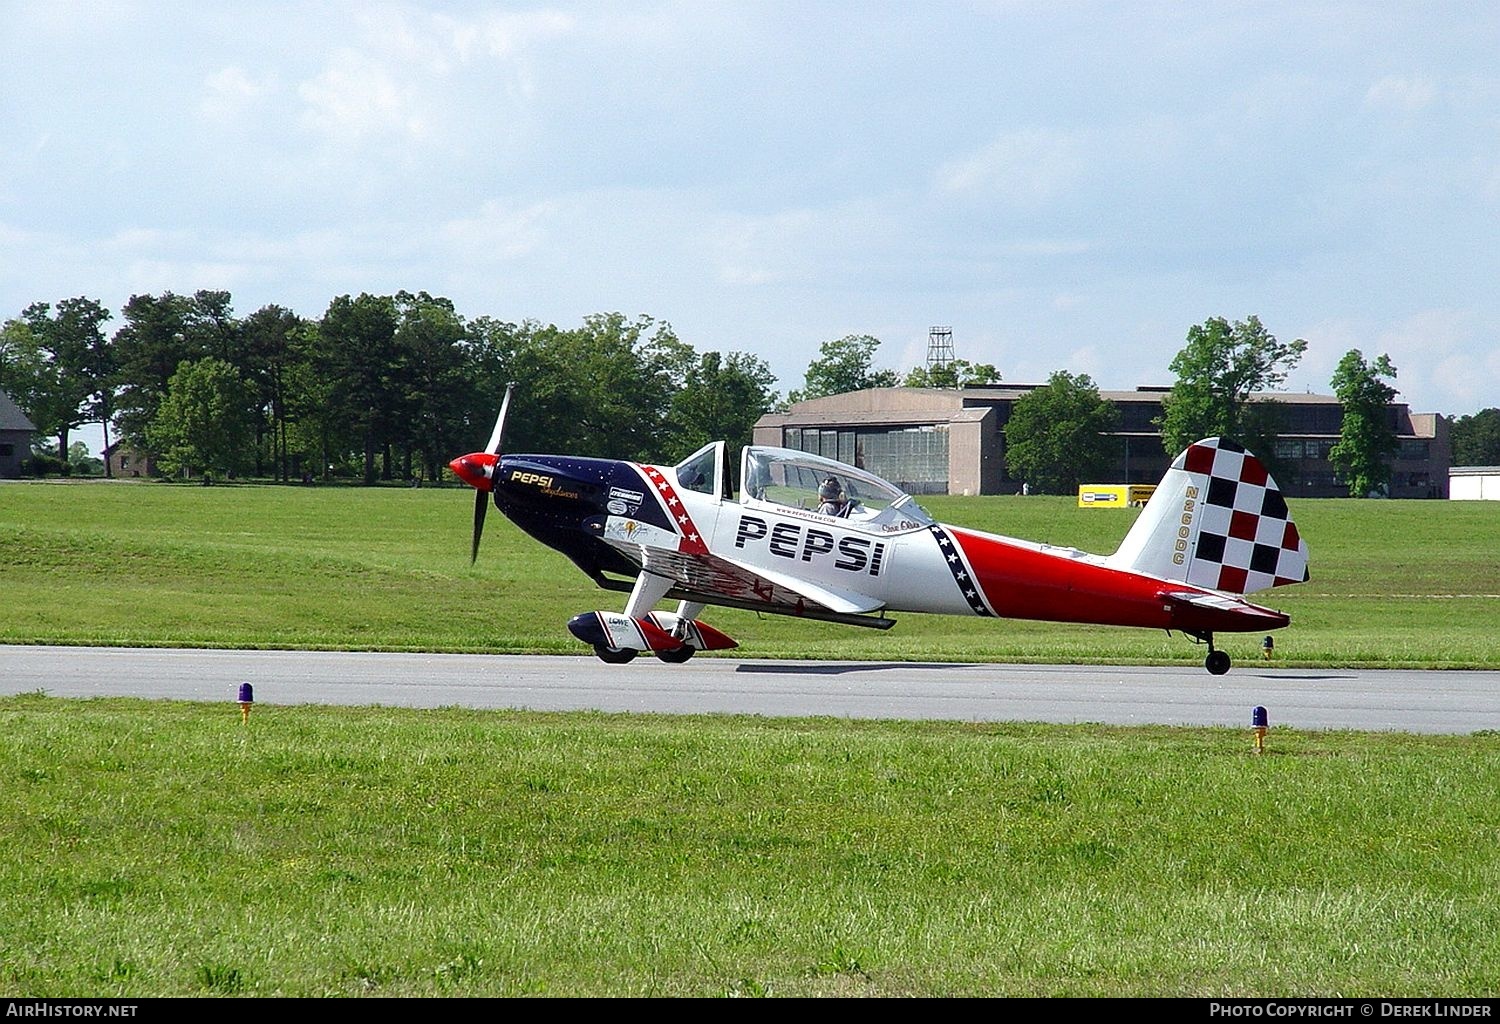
499	231
1406	94
507	34
358	96
1027	167
231	91
752	251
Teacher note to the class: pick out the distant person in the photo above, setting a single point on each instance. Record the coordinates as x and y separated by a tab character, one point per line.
835	502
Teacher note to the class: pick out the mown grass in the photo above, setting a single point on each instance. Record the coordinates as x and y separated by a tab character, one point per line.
1394	584
162	848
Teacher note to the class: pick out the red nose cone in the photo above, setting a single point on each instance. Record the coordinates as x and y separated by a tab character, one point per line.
476	470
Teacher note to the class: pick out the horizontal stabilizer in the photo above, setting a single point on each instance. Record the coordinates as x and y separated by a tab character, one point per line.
1194	610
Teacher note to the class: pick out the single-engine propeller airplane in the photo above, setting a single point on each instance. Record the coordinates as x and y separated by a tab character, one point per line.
815	538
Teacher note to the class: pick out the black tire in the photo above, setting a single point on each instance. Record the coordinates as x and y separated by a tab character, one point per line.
613	656
677	655
1217	663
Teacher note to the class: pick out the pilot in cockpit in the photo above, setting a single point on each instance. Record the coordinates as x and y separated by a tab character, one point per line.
834	501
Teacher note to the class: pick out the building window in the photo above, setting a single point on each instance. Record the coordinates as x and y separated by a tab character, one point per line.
915	459
7	450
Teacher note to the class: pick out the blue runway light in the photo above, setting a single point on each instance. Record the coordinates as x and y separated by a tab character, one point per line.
247	697
1259	723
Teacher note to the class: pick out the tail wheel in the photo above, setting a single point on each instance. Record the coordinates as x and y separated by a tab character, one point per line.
677	655
1217	663
613	655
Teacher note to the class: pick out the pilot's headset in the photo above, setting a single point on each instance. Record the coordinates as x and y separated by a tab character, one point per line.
830	491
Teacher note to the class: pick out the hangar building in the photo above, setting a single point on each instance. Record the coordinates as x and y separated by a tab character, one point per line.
952	441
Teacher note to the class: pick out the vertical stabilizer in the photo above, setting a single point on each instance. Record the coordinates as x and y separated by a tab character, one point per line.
1217	521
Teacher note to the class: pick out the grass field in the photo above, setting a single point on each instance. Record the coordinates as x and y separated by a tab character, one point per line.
165	849
1398	584
157	848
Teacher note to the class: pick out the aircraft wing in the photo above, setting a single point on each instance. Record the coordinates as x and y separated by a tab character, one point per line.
716	579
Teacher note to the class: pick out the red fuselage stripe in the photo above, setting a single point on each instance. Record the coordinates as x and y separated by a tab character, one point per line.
1022	583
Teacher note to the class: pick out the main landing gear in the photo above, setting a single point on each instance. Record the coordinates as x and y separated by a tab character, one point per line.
623	655
1217	661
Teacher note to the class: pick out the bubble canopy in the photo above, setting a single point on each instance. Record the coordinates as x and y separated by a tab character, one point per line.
791	479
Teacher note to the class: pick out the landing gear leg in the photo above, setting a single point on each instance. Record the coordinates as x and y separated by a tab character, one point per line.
1217	661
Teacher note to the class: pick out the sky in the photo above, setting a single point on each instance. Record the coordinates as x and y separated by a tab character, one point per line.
1066	185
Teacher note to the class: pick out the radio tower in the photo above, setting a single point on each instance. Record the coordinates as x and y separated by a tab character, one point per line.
939	347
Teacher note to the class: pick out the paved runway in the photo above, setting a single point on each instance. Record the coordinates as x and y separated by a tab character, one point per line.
1407	701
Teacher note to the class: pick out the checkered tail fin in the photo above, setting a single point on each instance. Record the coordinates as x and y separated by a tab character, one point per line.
1218	521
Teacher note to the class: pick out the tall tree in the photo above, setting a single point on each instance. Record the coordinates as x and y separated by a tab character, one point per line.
956	373
269	337
66	363
842	366
604	388
1476	439
490	361
1366	440
430	336
1056	435
318	432
1218	370
204	422
358	352
151	344
20	363
721	399
211	321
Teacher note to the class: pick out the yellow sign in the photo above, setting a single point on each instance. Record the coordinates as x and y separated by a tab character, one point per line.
1114	495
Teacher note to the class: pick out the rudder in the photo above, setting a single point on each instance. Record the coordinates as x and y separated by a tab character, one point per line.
1217	521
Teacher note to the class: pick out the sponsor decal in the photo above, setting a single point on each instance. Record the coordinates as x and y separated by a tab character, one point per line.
623	501
633	531
542	482
807	544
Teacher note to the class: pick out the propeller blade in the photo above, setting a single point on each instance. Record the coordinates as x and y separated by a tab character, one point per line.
493	448
481	499
478	472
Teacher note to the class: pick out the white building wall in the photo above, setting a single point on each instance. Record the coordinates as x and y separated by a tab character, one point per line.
1474	486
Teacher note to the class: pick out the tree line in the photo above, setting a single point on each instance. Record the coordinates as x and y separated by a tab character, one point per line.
387	387
380	387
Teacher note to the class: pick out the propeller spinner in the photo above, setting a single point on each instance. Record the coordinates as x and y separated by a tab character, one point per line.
478	471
